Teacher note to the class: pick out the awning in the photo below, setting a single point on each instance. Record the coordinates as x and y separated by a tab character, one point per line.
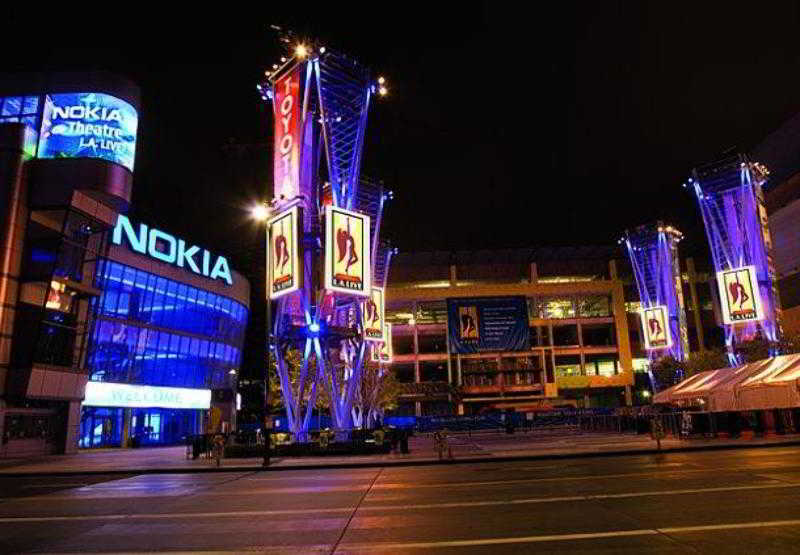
765	384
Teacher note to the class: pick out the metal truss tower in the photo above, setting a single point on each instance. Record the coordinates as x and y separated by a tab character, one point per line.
332	94
653	251
732	204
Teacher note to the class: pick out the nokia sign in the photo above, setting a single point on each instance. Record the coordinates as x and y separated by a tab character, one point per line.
166	248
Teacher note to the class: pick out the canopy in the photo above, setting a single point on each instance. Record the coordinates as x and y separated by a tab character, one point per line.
772	383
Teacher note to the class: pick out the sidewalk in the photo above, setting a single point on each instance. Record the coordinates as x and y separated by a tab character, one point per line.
478	448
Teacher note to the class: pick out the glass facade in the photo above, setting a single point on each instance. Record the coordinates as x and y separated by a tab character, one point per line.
150	330
154	331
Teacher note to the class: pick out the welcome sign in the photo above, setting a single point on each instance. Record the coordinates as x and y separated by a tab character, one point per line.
88	125
108	394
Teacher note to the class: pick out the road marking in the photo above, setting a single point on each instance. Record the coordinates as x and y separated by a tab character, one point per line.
54	486
384	508
565	537
401	485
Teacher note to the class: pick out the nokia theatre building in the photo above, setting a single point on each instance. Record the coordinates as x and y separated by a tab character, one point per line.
111	332
166	343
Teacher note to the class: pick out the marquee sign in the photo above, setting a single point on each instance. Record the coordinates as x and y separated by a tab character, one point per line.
88	125
285	257
373	311
164	247
655	324
108	394
347	252
739	295
382	353
286	152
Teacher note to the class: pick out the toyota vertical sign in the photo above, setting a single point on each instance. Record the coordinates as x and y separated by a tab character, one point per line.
88	125
287	135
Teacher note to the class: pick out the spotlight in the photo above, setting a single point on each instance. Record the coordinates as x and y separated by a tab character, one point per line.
301	50
383	91
259	212
381	80
313	327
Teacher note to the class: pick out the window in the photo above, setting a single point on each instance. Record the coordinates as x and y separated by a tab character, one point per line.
565	335
433	371
598	334
597	306
568	365
558	308
601	365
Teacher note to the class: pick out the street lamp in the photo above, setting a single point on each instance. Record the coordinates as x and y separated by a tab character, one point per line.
260	212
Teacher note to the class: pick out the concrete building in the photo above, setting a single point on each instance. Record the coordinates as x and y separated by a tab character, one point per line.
585	337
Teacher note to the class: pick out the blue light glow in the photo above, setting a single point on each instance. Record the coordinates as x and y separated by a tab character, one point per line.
88	125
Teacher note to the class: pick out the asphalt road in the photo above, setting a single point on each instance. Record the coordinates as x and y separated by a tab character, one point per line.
738	501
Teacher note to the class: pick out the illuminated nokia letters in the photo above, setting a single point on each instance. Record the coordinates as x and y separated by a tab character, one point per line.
166	248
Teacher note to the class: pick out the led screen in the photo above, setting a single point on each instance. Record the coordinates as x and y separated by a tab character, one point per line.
88	125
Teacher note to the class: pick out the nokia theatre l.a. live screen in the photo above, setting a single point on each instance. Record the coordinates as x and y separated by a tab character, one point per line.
88	125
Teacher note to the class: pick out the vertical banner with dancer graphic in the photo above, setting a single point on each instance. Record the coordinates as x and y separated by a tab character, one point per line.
739	295
383	353
286	152
480	324
373	317
347	252
284	257
655	324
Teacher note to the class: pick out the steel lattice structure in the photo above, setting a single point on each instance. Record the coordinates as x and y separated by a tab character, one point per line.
653	251
732	204
322	325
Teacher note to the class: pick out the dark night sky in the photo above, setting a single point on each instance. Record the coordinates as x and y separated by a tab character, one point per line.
503	128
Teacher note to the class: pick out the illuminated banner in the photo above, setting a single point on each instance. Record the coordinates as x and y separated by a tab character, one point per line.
383	353
88	125
164	247
655	323
286	272
373	316
478	324
739	295
347	251
108	394
287	134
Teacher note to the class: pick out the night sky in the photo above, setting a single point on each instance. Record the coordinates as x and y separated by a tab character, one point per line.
503	128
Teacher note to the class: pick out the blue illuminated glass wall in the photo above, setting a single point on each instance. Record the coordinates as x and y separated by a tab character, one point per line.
151	330
23	109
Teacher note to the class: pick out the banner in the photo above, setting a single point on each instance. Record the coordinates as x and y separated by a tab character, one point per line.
481	324
284	258
372	311
739	295
88	125
383	353
347	252
655	325
288	135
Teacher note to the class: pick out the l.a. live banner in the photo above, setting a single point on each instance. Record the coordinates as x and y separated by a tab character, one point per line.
288	135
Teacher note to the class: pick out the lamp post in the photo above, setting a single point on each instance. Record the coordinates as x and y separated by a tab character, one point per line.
260	212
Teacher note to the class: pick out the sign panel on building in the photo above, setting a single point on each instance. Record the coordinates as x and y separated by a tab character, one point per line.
109	394
88	125
383	353
166	248
655	325
285	259
347	252
287	134
478	324
373	310
739	294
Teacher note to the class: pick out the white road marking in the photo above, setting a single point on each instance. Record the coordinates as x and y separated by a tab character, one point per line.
564	537
385	508
54	486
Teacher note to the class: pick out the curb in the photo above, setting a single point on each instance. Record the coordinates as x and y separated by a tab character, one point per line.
407	463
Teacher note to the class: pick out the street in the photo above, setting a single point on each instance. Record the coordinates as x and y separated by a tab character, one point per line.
711	502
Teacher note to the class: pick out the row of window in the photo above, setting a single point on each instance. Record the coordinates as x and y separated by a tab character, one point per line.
126	353
132	294
565	335
578	306
19	108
